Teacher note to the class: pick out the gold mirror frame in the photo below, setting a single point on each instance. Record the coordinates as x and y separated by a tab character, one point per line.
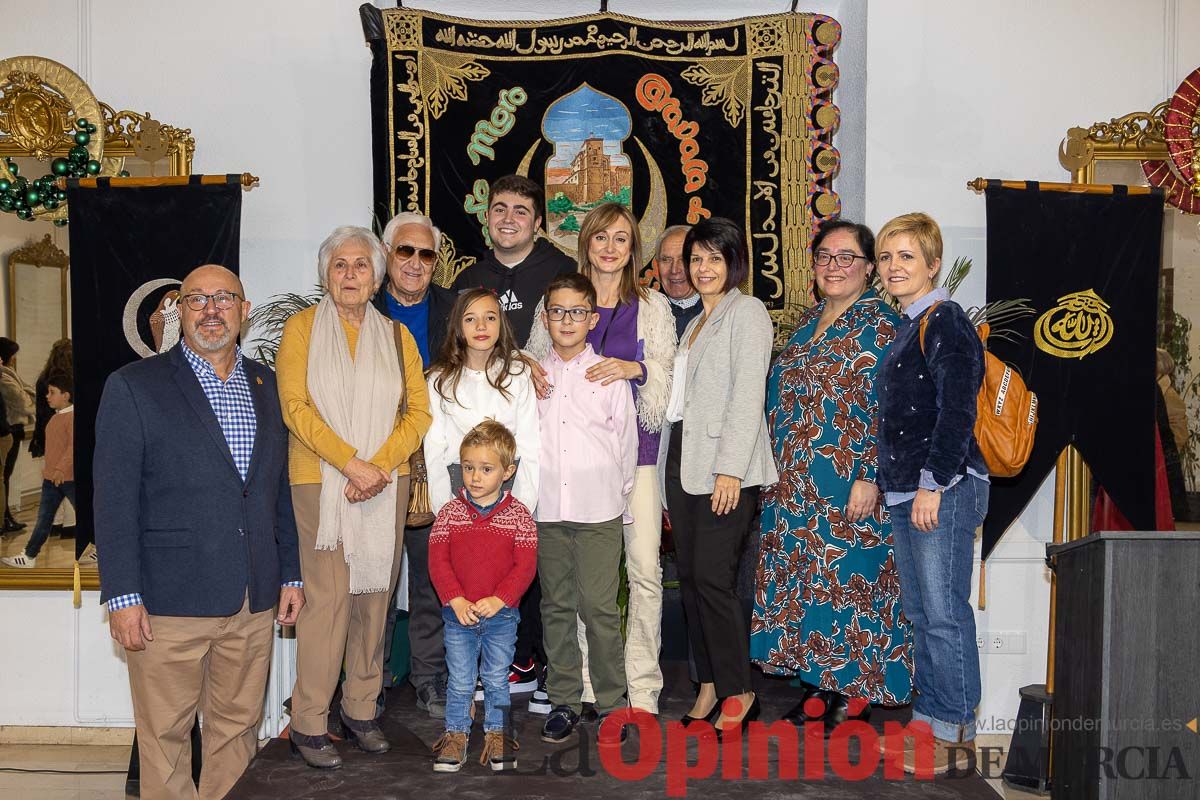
1138	136
39	254
40	100
24	133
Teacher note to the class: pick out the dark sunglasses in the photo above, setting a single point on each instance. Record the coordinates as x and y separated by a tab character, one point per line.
407	251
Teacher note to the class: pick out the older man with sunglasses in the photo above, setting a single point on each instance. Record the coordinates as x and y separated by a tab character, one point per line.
410	297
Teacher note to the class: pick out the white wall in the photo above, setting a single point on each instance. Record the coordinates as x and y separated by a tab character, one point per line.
933	94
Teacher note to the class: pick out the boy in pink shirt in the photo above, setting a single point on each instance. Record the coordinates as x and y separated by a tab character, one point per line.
587	460
58	474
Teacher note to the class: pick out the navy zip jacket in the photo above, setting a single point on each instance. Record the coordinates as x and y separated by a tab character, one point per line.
927	400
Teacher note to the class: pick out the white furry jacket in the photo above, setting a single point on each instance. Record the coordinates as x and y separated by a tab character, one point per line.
656	334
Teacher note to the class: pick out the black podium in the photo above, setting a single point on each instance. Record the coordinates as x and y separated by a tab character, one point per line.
1127	647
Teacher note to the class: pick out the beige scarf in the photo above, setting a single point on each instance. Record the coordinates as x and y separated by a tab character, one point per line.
358	398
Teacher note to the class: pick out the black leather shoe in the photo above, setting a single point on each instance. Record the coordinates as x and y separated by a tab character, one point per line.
559	725
751	715
710	717
797	715
837	711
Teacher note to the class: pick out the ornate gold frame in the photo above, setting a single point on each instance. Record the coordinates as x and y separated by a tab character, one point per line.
40	99
54	95
1137	136
37	254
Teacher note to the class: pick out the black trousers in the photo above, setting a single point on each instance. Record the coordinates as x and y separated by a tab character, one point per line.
18	434
707	550
529	629
424	612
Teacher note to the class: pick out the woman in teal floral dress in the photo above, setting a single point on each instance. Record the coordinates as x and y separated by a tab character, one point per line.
827	596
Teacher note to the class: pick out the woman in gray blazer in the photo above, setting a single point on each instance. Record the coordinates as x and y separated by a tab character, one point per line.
714	458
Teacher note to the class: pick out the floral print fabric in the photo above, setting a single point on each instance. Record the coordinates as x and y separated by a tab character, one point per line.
827	596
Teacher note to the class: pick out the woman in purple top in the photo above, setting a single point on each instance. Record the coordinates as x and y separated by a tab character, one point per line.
636	336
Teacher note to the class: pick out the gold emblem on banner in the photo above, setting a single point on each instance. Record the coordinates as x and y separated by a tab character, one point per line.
1078	326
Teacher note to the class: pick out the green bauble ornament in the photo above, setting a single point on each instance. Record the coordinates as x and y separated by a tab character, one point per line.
33	197
24	213
60	194
81	123
50	203
93	167
60	223
5	184
90	128
60	166
123	173
78	154
13	168
5	203
82	137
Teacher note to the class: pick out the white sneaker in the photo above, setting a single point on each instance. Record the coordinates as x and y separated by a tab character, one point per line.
21	561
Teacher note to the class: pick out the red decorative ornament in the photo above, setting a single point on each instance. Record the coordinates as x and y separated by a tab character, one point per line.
1181	118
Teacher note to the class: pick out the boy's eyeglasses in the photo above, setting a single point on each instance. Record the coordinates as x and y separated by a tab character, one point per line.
556	313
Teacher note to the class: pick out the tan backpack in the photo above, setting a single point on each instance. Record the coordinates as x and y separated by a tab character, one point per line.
1006	411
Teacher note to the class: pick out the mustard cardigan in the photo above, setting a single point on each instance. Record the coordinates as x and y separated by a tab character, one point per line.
311	440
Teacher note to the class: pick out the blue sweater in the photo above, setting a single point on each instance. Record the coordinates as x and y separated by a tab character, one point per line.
927	400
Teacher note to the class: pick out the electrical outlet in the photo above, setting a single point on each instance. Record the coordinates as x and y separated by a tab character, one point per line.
1000	642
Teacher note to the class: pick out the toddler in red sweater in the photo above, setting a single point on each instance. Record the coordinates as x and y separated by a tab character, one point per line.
482	558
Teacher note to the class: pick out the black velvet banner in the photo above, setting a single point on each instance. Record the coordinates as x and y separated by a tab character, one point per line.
1089	265
678	121
130	250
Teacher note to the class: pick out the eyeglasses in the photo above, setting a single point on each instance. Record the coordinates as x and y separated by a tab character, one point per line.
844	260
556	313
426	256
222	300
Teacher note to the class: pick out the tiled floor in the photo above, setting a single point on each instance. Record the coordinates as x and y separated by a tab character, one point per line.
56	553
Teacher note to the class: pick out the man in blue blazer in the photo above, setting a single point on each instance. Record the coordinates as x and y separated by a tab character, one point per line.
196	538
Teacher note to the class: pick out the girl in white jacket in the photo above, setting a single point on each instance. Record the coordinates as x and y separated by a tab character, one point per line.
479	375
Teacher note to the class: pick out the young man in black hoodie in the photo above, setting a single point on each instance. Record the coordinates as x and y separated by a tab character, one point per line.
518	270
520	266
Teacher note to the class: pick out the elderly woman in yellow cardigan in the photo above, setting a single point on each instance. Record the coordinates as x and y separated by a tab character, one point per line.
355	401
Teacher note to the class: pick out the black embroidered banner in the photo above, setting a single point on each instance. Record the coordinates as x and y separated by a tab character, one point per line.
1089	265
678	121
130	250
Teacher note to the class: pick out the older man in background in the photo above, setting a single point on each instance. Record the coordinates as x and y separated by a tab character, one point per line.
673	277
410	297
196	539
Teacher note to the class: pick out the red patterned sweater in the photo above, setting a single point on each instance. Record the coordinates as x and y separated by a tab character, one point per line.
475	555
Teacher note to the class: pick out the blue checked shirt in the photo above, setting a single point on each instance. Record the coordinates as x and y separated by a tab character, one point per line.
233	404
